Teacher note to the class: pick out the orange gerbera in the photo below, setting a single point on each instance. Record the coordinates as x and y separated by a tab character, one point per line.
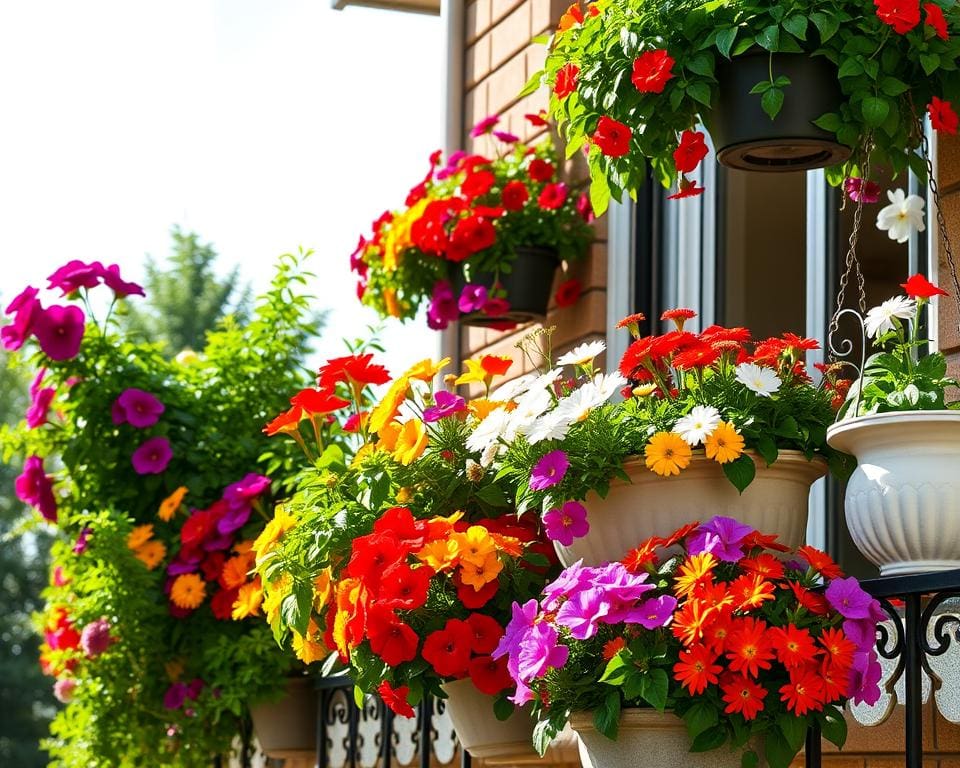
170	505
688	622
764	540
820	561
612	647
478	576
750	590
794	646
139	536
748	647
638	558
744	696
716	632
804	692
763	564
235	570
151	554
838	647
695	573
188	591
680	534
248	601
697	669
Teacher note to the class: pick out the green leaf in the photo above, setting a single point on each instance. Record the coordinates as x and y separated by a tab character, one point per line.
767	448
850	68
655	685
769	37
829	121
796	25
543	733
772	102
762	87
930	62
701	64
599	187
701	716
615	670
777	750
875	110
358	697
725	38
892	86
710	739
794	730
750	759
833	726
606	718
493	495
933	366
826	25
502	708
533	84
919	167
701	92
740	472
744	45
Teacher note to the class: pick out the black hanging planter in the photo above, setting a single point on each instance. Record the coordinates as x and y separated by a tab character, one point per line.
744	135
527	286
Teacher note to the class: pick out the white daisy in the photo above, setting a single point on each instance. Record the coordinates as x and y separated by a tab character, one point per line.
529	408
550	426
490	430
514	388
902	217
763	381
583	353
880	319
698	424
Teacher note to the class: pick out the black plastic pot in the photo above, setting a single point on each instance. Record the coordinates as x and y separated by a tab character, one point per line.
527	285
744	135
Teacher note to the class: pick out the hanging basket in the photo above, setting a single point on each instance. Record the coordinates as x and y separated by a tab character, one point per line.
744	135
528	286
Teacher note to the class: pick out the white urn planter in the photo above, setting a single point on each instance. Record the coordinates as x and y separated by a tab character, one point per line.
286	729
501	742
661	739
775	502
903	500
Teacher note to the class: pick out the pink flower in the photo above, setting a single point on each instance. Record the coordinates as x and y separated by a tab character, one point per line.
95	638
496	307
136	407
76	274
865	678
443	306
41	397
861	190
549	471
506	137
83	541
584	208
59	331
24	307
567	523
34	487
472	298
484	126
447	404
152	457
60	578
847	598
120	287
63	689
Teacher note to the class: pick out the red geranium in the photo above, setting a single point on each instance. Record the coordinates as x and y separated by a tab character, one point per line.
448	649
391	639
552	196
566	82
396	698
540	170
918	287
934	18
473	233
902	15
692	149
568	292
942	116
612	137
651	70
489	675
477	183
514	196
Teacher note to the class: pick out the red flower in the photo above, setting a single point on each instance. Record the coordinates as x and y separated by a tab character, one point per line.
396	698
764	564
391	639
902	15
572	17
839	649
486	633
566	82
288	422
942	116
473	233
804	692
404	587
814	602
568	292
692	149
918	287
477	183
612	137
472	598
489	675
212	565
820	561
372	555
612	647
540	170
744	696
585	208
317	401
750	590
197	528
934	18
794	646
496	365
222	603
538	120
651	70
698	355
358	369
697	669
748	646
552	196
835	680
514	196
448	649
688	188
399	522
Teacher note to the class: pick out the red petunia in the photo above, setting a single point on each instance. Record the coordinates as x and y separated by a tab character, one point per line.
514	196
472	598
568	292
942	116
744	696
212	565
696	669
447	650
902	15
486	633
396	698
612	137
400	522
372	555
804	692
489	675
691	150
538	120
566	82
358	369
391	639
197	527
540	170
477	183
934	18
794	646
404	587
552	196
748	646
473	234
918	287
651	70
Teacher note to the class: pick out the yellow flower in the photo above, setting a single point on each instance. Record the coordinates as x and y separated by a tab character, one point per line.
151	554
387	409
644	390
388	437
188	591
483	371
440	555
475	545
248	601
273	531
482	407
426	369
322	589
724	444
170	505
139	536
365	450
479	575
404	495
390	302
696	571
410	442
396	238
309	648
273	597
667	453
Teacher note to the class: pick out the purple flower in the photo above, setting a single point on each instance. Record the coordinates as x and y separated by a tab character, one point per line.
120	287
521	621
865	678
582	613
63	689
473	298
567	523
40	403
59	331
95	638
194	687
539	651
24	307
848	599
451	168
183	563
506	137
652	613
152	457
570	581
244	491
235	518
484	126
859	190
33	486
175	696
618	583
443	306
722	537
549	471
83	541
74	275
446	404
136	407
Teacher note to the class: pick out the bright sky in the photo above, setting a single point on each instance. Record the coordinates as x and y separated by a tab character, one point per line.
262	126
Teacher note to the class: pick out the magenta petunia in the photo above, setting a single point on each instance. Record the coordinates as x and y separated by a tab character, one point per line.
443	306
120	287
506	137
152	457
59	331
484	126
549	471
34	486
847	598
446	404
865	676
96	638
74	275
175	695
25	308
720	536
472	298
652	613
861	190
247	489
136	407
566	523
39	406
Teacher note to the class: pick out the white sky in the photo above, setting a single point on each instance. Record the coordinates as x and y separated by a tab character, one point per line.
261	125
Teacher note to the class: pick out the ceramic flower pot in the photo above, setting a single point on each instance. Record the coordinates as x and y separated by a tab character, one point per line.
287	729
528	286
775	502
903	500
661	738
744	135
500	742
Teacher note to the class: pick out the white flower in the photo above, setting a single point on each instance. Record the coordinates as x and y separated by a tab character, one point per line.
550	426
697	425
490	430
489	454
880	319
577	405
582	354
763	381
513	388
902	217
529	408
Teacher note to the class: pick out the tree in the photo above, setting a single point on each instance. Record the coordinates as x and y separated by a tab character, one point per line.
185	298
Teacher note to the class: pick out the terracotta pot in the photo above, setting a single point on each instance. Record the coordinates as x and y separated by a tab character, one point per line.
775	502
500	742
903	500
661	739
287	729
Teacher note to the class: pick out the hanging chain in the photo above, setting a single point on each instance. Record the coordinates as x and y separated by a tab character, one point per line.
941	220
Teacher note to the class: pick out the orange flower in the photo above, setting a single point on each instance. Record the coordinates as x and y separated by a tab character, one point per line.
764	564
570	18
151	554
838	647
426	370
695	573
612	647
139	536
751	591
322	589
309	648
388	438
440	554
688	622
482	407
411	442
249	600
804	692
509	545
350	615
478	576
715	634
638	558
744	696
794	646
697	669
170	505
188	591
234	573
748	646
820	561
836	681
475	545
287	422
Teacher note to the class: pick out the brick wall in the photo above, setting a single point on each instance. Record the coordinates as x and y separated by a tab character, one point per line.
949	179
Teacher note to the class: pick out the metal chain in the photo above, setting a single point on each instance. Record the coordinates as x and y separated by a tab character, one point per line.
941	220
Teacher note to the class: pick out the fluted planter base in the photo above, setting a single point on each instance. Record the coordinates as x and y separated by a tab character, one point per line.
287	729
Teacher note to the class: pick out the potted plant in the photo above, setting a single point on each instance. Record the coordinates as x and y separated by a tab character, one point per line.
400	555
151	471
479	238
780	87
902	502
709	419
693	642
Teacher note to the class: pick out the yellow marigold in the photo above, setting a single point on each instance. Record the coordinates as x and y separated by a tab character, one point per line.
426	369
388	437
188	591
482	407
475	545
273	531
479	575
724	444
441	554
170	505
309	648
235	571
322	589
273	596
139	536
411	442
667	453
248	601
387	409
151	554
